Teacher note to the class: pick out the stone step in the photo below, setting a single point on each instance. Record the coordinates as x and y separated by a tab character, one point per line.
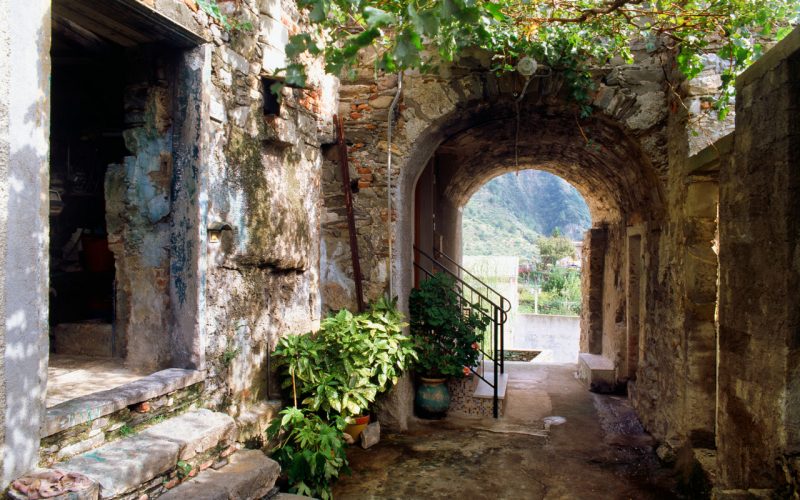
597	372
486	391
132	463
250	475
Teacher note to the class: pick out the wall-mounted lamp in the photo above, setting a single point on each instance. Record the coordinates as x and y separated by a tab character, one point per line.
527	66
215	231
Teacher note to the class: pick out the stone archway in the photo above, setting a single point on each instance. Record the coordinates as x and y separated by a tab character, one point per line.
617	158
597	156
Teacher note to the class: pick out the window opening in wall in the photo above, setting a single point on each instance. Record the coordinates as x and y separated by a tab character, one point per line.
272	103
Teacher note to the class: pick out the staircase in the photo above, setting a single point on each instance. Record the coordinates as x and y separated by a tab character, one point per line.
487	383
193	455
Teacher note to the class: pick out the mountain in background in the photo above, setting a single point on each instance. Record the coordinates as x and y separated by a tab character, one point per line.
508	214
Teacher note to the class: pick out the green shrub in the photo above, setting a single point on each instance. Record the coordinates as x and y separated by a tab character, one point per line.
340	369
334	374
311	452
447	329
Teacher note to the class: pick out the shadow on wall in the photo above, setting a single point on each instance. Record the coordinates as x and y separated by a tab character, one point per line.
23	262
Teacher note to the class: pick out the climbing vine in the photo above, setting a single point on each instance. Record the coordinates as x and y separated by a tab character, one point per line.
569	36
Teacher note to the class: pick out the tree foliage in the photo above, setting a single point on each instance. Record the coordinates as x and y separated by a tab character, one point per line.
554	248
567	35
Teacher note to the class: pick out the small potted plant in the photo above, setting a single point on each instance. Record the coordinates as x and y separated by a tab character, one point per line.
447	331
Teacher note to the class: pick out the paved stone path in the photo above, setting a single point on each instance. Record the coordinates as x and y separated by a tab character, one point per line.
596	450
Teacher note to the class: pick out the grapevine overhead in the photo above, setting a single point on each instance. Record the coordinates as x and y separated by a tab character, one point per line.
567	35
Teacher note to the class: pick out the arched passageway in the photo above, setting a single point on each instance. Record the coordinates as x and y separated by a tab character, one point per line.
648	263
597	156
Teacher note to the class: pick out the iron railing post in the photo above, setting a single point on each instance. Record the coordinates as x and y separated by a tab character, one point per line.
502	353
495	409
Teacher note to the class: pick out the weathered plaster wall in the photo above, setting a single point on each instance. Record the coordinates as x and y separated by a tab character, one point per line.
758	436
5	77
23	261
139	213
259	178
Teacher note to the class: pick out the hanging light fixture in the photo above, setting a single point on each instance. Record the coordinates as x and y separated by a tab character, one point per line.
527	66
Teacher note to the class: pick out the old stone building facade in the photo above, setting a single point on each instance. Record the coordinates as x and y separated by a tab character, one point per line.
223	211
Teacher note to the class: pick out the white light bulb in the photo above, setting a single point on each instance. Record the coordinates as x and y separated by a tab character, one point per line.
527	66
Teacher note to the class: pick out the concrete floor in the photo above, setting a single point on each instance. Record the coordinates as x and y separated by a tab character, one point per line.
599	451
69	377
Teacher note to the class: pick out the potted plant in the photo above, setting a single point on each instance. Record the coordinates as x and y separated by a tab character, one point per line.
337	372
447	331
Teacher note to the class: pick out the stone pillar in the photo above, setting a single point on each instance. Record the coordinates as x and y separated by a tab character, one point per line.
699	299
594	258
24	173
759	317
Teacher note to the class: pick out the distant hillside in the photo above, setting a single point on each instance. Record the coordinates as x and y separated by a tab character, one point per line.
507	214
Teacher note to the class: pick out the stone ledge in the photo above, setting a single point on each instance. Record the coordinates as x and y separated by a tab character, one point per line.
597	372
772	58
485	391
123	466
92	406
249	475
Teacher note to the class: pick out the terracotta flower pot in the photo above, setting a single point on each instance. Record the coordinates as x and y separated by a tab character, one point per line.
432	398
357	427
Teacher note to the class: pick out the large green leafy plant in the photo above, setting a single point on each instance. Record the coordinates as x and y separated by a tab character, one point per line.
447	329
340	369
311	452
334	373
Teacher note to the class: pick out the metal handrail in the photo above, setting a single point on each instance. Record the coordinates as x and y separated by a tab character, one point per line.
497	318
458	278
439	252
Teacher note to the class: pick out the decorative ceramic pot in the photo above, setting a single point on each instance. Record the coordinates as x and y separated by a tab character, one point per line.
357	427
432	398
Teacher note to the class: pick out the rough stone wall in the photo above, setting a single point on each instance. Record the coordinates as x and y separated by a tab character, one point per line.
24	126
759	356
254	180
139	215
262	183
674	391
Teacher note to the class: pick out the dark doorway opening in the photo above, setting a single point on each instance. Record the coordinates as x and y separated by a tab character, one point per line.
87	121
